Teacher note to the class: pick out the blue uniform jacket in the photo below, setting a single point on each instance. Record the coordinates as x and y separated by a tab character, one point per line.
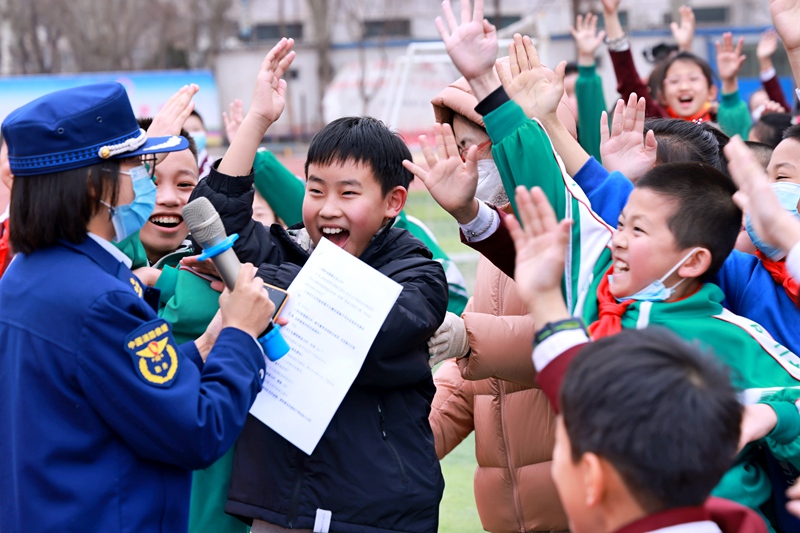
749	288
102	416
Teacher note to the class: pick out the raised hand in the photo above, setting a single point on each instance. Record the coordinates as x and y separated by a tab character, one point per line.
269	97
233	119
626	148
767	45
586	37
729	61
170	118
472	45
530	84
755	196
451	181
770	106
684	33
785	17
610	6
541	247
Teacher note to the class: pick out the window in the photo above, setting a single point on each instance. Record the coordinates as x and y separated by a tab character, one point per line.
273	32
387	28
712	15
503	20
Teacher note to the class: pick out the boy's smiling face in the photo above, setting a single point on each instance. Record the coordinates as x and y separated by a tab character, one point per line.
784	165
643	247
344	203
685	89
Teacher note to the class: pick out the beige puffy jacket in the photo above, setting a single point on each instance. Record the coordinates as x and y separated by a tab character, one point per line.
512	419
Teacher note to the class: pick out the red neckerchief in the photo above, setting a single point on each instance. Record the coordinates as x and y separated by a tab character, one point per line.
5	248
780	274
610	320
704	115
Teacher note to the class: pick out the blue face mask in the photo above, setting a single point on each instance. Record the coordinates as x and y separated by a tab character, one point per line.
199	140
788	195
129	218
656	291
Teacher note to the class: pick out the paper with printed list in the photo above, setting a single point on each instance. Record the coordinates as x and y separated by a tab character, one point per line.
336	307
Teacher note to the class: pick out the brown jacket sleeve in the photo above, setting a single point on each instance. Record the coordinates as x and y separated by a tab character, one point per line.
452	411
628	81
500	347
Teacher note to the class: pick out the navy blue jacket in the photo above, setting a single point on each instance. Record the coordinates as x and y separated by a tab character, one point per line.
375	468
102	416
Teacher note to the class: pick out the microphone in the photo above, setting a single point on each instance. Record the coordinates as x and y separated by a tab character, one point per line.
207	229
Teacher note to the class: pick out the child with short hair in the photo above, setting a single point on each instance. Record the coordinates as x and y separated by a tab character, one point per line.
675	231
375	468
628	456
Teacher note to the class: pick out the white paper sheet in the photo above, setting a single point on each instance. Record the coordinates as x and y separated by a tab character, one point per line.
336	306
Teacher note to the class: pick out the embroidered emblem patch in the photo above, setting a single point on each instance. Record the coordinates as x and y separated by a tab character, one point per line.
153	352
137	287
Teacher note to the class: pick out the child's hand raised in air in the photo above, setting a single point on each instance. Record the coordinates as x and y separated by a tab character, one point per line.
684	33
451	181
530	84
269	97
233	119
587	38
626	149
755	196
785	17
541	247
472	45
729	61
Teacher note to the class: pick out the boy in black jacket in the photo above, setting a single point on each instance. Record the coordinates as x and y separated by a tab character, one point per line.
375	469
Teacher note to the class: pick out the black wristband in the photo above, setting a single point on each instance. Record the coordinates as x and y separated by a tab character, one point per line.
497	98
551	328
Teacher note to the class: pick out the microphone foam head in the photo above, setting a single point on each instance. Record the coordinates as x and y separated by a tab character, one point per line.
202	220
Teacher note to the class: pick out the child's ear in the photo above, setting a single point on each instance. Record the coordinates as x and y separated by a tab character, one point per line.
713	91
696	265
595	480
395	201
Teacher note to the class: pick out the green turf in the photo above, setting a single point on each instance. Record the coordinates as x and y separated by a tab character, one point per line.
458	512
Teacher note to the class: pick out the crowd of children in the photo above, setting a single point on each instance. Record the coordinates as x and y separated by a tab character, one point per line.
627	360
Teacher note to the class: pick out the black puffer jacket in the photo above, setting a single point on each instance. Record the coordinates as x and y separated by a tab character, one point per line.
375	468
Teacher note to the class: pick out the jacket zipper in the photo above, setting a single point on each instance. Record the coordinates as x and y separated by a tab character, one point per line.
392	448
298	485
511	470
512	474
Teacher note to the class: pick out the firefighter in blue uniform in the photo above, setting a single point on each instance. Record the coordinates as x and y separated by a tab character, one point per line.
102	415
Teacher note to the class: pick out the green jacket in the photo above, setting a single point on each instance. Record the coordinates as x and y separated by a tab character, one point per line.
591	104
758	363
733	115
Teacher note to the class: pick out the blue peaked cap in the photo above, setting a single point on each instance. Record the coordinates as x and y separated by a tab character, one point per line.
78	127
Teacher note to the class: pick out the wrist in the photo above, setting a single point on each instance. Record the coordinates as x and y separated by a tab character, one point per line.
730	85
765	63
254	123
484	84
204	343
586	60
548	307
467	213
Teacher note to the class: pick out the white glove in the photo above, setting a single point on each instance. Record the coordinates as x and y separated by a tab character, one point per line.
449	341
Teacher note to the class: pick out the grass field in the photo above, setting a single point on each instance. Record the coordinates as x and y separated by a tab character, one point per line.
457	513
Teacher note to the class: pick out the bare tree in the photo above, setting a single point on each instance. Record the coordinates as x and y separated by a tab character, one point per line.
320	18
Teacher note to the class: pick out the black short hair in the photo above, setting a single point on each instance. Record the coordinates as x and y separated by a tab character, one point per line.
682	140
708	72
706	215
199	116
722	141
770	127
637	399
50	207
762	151
145	122
363	140
793	132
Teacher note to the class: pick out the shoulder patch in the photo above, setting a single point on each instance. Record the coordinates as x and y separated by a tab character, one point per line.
153	351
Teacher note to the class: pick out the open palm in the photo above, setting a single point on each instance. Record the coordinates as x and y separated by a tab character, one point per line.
530	85
472	45
625	148
450	181
269	97
785	17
